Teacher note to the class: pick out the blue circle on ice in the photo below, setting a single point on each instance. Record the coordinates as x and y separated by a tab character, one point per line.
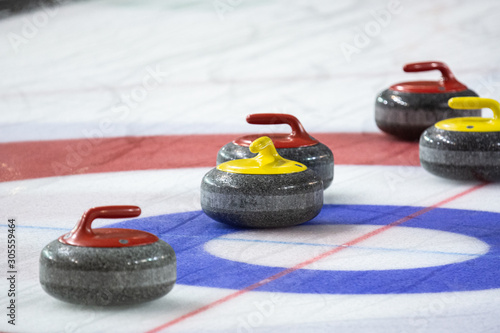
188	232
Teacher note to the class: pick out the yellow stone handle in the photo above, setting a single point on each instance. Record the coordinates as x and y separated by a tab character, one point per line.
267	152
267	162
475	103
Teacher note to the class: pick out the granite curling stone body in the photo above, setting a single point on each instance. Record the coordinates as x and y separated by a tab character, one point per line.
107	266
296	146
406	109
464	148
266	191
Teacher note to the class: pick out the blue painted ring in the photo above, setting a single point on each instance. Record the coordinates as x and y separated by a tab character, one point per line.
187	233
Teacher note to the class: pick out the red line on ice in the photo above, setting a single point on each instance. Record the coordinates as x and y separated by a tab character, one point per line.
314	259
38	159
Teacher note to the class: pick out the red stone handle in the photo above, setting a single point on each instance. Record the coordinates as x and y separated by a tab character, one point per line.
84	227
429	66
83	234
298	132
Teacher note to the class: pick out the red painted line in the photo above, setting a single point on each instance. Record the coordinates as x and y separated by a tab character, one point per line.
314	259
38	159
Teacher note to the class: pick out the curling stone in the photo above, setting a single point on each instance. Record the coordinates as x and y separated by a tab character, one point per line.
406	109
297	146
265	191
107	266
464	148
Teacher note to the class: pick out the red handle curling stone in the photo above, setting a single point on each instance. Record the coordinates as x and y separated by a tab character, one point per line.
297	145
406	109
107	266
